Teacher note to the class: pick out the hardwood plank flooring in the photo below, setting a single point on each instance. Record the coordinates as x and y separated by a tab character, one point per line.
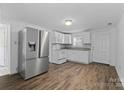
67	76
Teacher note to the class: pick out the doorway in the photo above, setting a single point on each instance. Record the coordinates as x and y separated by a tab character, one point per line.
101	47
4	49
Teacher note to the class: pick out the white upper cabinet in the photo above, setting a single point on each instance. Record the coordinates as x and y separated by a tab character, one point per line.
61	38
86	37
58	37
81	39
67	39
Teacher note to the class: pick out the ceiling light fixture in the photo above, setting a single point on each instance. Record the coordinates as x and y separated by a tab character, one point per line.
68	22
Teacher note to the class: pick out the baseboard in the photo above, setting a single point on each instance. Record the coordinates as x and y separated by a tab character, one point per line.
4	71
121	79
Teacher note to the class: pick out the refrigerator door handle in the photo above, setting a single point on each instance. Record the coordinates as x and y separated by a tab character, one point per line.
39	44
43	44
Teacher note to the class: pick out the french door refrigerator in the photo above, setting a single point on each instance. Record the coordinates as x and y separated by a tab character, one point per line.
33	52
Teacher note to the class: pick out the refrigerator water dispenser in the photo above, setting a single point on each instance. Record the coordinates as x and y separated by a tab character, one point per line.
32	46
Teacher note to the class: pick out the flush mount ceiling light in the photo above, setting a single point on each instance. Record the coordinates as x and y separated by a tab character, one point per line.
68	22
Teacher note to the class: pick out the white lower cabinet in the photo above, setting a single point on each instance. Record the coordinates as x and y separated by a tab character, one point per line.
59	56
60	61
62	55
78	56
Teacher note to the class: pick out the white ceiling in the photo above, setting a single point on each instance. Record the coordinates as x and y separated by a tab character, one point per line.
84	16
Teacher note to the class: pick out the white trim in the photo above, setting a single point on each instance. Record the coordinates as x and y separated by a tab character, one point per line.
9	49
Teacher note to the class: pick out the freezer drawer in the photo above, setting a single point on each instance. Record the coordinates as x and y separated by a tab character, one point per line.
35	67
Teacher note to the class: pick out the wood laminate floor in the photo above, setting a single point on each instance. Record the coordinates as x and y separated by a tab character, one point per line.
67	76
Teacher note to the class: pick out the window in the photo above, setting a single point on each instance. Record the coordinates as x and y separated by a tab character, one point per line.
78	41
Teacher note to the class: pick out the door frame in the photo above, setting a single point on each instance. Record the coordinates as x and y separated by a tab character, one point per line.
92	46
8	48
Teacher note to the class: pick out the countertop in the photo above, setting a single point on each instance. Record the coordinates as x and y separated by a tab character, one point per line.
79	49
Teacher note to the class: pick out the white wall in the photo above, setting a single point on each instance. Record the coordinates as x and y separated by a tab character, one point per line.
120	50
113	46
112	31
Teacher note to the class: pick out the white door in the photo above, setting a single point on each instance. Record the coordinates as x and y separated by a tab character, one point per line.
100	47
3	44
4	49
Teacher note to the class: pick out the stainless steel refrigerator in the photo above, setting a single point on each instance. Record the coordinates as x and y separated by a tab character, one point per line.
33	52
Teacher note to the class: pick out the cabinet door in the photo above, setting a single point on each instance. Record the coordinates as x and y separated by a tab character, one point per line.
59	37
86	37
67	38
62	54
78	56
71	55
62	38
